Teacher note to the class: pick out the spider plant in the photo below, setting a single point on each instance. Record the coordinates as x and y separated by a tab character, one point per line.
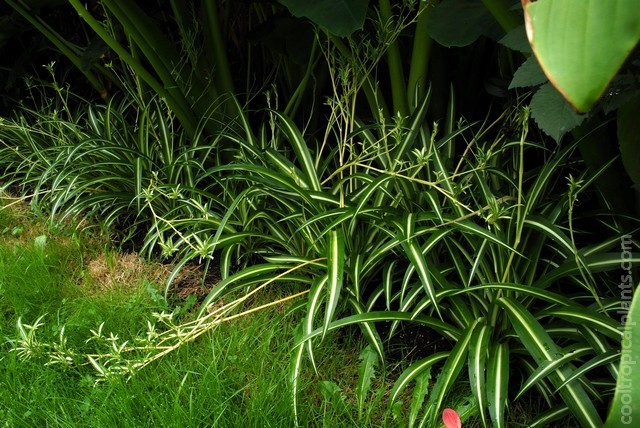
493	262
483	251
97	159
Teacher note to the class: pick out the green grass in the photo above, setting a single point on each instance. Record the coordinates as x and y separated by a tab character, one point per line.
235	375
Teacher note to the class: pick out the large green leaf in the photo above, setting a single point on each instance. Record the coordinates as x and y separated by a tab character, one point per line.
625	410
528	74
553	114
340	17
581	44
458	22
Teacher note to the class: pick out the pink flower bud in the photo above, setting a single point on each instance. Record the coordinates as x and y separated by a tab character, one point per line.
451	419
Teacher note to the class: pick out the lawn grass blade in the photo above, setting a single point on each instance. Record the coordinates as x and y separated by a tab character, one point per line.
295	369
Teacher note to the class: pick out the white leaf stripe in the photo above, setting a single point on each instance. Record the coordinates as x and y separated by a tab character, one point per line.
606	358
369	330
599	322
450	371
238	277
552	415
420	264
552	231
313	302
477	359
544	369
527	290
445	329
497	382
412	372
542	347
335	272
301	149
594	263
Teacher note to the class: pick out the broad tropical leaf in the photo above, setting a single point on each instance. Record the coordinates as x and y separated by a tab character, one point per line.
581	44
340	17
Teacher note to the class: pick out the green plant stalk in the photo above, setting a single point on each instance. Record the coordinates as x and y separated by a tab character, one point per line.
420	55
137	28
519	217
494	312
188	29
181	14
177	105
160	54
294	102
507	19
573	197
394	61
61	44
213	33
